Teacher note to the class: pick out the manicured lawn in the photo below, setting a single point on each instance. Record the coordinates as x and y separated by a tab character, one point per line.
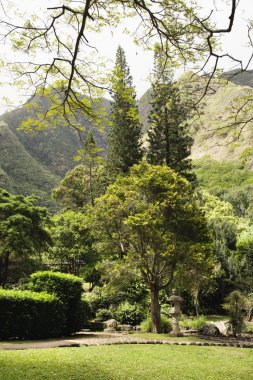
128	362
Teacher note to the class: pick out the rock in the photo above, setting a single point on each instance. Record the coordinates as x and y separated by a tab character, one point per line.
222	326
209	330
111	325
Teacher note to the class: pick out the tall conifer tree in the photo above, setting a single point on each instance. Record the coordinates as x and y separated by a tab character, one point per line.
125	129
168	138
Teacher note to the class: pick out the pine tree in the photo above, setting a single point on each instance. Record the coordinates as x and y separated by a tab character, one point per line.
125	129
168	138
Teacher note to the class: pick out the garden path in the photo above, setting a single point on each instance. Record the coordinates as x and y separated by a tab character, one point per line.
100	338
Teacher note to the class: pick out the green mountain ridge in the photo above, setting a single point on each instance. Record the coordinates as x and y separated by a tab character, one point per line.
35	162
20	172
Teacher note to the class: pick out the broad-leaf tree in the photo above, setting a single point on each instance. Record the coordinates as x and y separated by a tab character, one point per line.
72	248
124	135
151	219
22	229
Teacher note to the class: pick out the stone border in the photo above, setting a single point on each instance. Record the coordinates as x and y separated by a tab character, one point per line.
172	343
98	342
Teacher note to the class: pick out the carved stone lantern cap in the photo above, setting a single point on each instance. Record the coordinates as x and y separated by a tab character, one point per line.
174	298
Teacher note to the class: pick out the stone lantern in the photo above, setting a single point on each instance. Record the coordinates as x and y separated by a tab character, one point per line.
175	313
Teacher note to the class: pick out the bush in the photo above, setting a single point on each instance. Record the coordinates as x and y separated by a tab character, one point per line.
97	301
129	314
103	315
166	325
195	323
30	315
235	305
68	289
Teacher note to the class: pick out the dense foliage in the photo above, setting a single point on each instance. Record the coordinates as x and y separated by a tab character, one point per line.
152	220
68	289
22	229
30	315
72	250
223	177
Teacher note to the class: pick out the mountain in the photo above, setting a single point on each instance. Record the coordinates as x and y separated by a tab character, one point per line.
34	163
216	131
20	172
210	127
241	78
55	148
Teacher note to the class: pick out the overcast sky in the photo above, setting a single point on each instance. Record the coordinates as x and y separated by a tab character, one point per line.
141	61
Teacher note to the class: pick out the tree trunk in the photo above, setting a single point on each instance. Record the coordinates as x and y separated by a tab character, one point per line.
196	301
155	310
4	264
167	140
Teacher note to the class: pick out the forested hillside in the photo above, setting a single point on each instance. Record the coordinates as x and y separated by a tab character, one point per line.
34	162
19	171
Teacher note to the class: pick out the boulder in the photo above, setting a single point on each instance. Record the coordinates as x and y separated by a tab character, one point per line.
111	325
209	330
223	326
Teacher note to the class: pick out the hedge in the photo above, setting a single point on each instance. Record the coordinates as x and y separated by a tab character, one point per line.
68	289
30	315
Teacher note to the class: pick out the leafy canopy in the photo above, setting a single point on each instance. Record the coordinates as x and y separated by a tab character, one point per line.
152	219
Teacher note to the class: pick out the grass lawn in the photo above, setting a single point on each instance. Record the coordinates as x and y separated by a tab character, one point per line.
216	318
128	362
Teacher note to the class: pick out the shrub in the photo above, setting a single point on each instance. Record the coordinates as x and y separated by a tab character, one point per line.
235	305
129	314
166	325
103	315
97	301
68	289
195	323
30	315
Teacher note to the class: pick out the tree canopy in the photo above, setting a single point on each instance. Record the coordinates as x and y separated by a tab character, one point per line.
22	229
72	243
151	219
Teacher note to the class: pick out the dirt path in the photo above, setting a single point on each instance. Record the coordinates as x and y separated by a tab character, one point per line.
100	338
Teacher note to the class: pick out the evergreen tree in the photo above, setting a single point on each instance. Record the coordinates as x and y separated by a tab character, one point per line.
168	138
125	128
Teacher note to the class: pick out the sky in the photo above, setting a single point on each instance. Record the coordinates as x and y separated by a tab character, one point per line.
140	61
